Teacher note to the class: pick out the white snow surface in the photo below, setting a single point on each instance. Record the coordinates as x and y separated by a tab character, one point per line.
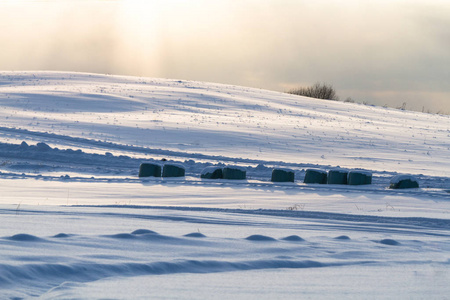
77	222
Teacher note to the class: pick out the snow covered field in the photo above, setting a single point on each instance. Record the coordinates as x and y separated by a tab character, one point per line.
77	222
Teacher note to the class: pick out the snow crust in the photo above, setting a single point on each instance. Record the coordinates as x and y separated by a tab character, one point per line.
77	222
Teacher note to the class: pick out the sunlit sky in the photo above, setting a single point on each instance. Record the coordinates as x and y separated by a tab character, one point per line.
380	52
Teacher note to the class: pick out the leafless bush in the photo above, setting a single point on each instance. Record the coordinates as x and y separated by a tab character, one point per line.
349	100
318	90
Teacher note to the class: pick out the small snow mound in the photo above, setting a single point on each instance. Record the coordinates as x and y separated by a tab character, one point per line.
342	237
260	238
62	235
43	147
24	145
293	238
389	242
122	236
23	237
261	167
195	235
143	231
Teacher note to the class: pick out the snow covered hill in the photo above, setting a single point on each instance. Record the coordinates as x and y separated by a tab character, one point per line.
78	222
218	120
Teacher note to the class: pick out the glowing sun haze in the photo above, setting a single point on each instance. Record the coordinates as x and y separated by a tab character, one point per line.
381	52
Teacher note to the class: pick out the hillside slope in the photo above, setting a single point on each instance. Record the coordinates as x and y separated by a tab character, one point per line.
217	120
77	222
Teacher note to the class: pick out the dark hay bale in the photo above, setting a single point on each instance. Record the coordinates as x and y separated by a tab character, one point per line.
212	173
337	176
173	170
283	175
315	176
404	182
359	178
234	173
149	170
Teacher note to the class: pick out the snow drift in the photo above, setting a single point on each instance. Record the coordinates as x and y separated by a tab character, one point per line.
79	222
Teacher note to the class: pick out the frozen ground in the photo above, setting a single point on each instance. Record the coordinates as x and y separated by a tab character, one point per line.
77	222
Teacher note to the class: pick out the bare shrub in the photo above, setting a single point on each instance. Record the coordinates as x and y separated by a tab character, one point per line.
318	90
349	100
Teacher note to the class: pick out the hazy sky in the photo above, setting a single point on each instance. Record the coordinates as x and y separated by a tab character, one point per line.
381	52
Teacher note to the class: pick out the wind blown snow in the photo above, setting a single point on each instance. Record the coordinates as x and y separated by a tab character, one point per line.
78	222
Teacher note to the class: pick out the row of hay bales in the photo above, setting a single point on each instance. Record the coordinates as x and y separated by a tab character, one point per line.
343	176
177	170
338	176
229	172
312	176
155	170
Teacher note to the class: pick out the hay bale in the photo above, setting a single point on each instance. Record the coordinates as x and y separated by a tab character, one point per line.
212	173
149	170
283	175
337	176
359	177
404	182
234	172
173	170
315	176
